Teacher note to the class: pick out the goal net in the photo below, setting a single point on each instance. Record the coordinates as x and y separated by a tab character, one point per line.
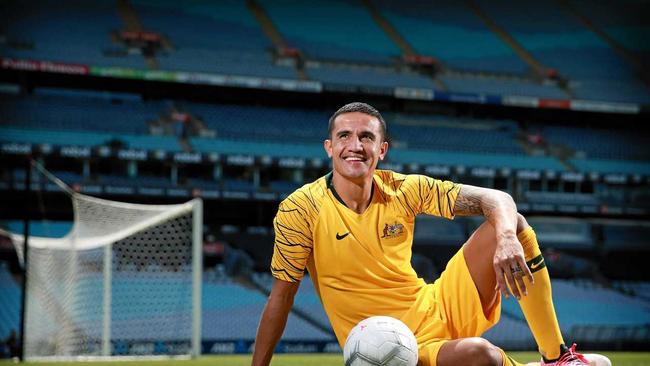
125	281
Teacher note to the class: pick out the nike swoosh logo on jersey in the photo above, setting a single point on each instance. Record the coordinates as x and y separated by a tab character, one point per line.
339	237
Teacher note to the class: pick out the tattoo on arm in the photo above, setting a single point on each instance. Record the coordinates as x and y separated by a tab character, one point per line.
474	201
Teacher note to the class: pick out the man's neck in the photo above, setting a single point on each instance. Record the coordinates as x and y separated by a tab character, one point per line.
355	194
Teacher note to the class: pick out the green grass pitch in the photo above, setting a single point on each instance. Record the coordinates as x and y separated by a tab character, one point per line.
618	359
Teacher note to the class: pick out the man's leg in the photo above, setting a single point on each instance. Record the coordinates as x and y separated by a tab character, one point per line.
473	351
538	305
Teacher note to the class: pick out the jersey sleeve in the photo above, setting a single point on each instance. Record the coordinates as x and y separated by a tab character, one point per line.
438	196
293	239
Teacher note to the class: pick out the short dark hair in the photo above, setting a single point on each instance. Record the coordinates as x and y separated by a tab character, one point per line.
359	107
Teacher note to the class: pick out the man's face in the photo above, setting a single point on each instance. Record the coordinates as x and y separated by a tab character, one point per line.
356	145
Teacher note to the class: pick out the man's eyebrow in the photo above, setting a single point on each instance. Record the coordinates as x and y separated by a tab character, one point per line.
339	133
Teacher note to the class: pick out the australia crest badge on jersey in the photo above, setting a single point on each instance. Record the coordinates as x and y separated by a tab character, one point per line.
394	230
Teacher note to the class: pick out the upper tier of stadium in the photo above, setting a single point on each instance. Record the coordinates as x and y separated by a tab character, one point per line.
571	50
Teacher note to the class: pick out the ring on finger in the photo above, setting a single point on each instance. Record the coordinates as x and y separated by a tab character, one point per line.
517	271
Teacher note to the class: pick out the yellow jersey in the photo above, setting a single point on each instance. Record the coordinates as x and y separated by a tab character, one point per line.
360	264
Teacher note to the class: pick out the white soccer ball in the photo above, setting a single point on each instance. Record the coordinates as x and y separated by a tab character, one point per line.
380	340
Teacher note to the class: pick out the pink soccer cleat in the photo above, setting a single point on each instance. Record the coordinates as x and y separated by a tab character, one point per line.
572	358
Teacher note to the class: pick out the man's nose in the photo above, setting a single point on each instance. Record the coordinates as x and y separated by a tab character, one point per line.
355	144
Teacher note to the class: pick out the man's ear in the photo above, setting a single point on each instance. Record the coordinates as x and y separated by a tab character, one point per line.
383	150
327	145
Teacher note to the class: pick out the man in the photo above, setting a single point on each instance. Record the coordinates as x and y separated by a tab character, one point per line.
353	231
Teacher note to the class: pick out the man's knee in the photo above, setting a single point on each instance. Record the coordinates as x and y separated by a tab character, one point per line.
481	352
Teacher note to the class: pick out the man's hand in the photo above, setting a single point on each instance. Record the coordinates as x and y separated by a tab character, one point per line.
510	266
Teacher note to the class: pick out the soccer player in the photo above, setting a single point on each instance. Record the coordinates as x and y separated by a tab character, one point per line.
353	230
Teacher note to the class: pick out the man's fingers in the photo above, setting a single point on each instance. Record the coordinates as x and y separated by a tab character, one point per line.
527	272
501	282
510	277
520	282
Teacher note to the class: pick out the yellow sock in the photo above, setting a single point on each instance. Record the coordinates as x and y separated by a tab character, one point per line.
538	305
508	361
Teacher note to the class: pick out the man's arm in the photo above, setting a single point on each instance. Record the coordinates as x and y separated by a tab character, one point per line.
273	320
499	210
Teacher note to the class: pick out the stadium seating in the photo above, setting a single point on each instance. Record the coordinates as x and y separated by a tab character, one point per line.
48	229
577	305
258	123
562	198
449	31
638	289
563	233
600	143
87	139
623	238
366	76
456	136
231	311
70	31
474	159
76	110
611	166
221	38
567	46
320	31
500	86
10	295
512	332
436	231
622	23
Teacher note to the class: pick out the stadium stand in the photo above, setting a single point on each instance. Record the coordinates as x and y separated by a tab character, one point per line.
51	35
9	302
596	71
600	143
78	110
611	166
320	32
622	23
221	38
450	32
498	86
376	77
563	233
577	305
436	231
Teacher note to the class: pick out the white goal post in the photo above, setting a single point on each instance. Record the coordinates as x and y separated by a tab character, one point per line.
125	281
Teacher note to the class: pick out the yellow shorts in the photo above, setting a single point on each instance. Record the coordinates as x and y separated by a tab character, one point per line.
455	312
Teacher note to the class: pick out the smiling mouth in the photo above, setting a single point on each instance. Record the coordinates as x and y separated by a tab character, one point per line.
354	159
